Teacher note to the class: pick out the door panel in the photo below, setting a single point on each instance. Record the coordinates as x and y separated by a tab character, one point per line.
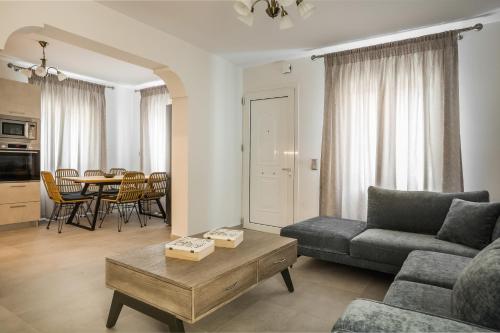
271	161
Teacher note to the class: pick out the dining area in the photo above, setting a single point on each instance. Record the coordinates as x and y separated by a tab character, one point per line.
87	201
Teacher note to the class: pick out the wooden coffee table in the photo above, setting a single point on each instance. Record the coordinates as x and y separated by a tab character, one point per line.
175	291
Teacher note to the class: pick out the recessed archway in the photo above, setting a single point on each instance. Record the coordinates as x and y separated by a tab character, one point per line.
177	90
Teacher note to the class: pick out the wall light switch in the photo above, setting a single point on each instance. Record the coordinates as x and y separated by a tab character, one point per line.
314	164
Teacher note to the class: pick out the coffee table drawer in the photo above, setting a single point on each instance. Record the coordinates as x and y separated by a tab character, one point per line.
225	287
277	261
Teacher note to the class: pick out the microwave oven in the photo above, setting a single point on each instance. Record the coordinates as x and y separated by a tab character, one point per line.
18	128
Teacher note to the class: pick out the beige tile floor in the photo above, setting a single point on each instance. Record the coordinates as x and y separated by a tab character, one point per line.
52	282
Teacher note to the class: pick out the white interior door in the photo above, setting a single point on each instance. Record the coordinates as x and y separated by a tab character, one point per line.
271	161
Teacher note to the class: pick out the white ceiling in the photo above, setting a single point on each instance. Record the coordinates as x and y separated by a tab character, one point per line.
69	58
213	26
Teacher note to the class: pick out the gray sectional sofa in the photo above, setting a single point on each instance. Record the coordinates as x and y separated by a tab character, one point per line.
434	292
440	286
398	222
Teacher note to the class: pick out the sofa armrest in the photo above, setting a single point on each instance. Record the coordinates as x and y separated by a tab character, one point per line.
371	316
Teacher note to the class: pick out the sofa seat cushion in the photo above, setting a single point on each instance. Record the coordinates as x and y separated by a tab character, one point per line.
434	268
370	316
324	233
420	297
393	247
413	211
476	294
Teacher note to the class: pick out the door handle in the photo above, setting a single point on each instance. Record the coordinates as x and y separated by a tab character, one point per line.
287	169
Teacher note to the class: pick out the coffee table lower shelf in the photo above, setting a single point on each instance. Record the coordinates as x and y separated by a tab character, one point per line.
175	324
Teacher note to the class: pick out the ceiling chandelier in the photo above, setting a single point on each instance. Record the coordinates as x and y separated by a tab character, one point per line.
40	70
275	8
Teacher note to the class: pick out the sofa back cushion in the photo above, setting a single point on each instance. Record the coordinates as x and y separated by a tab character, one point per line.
413	211
476	294
470	223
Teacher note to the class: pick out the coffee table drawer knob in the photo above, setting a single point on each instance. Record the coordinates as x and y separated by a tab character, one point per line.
231	287
280	261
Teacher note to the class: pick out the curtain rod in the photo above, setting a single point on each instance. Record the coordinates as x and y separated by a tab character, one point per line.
477	27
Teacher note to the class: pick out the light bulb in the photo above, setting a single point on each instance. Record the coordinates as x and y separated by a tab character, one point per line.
61	76
286	3
243	7
305	9
41	71
248	20
26	72
285	22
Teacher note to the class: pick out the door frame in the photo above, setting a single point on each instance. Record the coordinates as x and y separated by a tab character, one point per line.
245	197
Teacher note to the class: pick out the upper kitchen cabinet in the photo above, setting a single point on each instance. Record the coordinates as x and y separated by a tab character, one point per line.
19	99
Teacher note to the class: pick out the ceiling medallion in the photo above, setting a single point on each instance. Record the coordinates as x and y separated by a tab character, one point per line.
275	8
40	70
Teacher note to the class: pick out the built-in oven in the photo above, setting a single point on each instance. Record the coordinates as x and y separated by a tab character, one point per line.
18	128
17	163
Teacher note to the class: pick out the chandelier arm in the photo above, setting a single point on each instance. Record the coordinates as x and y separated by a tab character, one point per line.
256	2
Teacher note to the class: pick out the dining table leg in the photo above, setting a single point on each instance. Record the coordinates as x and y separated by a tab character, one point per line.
75	210
97	205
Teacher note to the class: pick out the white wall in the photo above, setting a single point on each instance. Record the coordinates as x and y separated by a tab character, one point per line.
479	66
308	77
123	128
209	172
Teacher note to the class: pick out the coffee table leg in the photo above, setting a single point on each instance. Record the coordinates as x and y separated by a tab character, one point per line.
119	300
114	310
288	280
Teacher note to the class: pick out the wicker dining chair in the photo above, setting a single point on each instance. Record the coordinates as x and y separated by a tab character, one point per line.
117	171
64	185
127	200
94	189
158	187
113	189
63	202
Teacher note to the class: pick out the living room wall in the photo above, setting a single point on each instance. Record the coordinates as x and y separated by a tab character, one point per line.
479	69
479	102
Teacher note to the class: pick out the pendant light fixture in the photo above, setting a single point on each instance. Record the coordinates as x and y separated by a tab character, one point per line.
275	8
41	70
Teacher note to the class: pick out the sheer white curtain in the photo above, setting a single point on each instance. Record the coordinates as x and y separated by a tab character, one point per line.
391	120
156	112
73	126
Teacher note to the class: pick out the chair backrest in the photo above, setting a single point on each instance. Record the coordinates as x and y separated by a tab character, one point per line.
67	186
91	173
132	187
117	171
158	183
51	187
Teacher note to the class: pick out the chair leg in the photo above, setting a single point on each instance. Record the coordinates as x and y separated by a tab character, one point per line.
120	217
60	221
52	215
105	213
139	215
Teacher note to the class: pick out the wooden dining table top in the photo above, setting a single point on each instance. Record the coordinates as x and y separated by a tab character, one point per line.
97	179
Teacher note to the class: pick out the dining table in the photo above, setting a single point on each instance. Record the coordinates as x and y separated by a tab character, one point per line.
100	182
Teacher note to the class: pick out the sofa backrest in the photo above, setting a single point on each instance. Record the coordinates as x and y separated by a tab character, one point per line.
413	211
476	293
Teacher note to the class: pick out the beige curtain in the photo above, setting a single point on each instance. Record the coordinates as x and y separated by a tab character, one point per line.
73	126
156	109
391	119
